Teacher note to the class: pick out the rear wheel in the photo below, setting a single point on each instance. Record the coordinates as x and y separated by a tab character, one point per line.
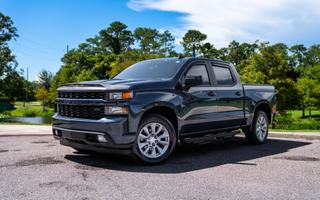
258	132
156	139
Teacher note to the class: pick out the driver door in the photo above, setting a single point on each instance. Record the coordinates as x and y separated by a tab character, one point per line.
200	102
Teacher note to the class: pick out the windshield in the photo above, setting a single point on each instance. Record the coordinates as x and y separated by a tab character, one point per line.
152	69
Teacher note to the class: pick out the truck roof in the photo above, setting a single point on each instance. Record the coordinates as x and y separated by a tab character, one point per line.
210	60
197	58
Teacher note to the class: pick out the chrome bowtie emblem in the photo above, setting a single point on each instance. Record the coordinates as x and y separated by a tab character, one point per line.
96	109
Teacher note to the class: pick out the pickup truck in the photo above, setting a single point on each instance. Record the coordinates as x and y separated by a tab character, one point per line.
153	105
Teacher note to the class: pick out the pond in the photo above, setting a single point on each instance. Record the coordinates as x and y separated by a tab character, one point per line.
31	120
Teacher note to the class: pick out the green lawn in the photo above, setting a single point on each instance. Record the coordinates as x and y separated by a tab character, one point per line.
298	114
30	103
294	121
282	130
31	109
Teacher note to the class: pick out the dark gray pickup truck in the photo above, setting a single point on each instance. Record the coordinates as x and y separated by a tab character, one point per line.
153	105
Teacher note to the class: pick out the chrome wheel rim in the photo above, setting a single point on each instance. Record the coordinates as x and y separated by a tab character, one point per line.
153	140
261	128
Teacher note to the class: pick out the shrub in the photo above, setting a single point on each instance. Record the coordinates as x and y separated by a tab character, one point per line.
289	122
29	113
5	114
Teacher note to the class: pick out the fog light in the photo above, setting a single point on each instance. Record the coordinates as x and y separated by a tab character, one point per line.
101	138
114	110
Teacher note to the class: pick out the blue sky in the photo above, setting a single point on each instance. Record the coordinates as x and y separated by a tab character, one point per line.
46	27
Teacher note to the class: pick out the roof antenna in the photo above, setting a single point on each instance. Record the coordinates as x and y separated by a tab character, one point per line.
180	56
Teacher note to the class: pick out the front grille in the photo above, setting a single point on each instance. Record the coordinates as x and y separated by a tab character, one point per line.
82	95
86	112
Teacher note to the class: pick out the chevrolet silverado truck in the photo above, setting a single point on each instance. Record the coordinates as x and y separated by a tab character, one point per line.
153	105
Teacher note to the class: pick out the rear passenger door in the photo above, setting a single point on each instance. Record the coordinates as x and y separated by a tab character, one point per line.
230	96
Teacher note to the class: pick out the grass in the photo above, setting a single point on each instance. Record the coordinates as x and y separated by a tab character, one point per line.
293	121
315	114
283	130
31	109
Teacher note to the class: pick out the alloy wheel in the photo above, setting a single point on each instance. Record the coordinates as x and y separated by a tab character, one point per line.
153	140
261	128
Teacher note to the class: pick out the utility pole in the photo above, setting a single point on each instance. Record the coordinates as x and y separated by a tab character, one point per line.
67	48
27	83
26	99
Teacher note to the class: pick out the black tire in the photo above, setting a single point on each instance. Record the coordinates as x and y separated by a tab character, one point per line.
252	135
154	118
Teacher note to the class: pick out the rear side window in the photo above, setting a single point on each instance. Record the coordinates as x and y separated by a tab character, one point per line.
199	70
223	76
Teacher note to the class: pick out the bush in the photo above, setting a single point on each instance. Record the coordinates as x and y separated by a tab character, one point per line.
5	114
29	113
289	122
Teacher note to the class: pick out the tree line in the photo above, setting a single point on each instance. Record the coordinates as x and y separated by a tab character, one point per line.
294	70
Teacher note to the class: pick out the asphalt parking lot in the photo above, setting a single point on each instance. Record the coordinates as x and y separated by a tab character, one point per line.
39	168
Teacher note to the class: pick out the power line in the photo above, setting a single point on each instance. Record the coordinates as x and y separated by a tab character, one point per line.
36	56
41	44
43	51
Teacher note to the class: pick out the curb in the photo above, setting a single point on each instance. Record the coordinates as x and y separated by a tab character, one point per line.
22	135
307	136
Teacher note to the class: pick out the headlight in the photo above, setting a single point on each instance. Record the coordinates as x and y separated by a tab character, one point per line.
120	95
113	110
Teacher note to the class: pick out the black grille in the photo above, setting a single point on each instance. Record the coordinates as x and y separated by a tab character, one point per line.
82	95
86	112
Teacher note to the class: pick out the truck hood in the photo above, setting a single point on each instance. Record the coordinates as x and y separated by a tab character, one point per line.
120	84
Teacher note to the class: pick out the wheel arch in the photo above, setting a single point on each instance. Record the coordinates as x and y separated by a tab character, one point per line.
265	107
164	110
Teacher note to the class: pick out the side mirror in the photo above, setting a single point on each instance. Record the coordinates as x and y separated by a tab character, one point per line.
192	81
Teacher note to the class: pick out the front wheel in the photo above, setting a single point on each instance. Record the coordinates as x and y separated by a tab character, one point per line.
258	132
156	139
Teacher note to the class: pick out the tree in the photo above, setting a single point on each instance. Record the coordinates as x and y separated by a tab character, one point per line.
166	41
45	78
192	41
7	59
309	88
42	95
208	50
250	74
313	55
239	52
148	39
115	38
7	30
13	88
298	55
270	66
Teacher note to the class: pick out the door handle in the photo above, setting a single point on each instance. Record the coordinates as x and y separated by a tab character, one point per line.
211	93
238	93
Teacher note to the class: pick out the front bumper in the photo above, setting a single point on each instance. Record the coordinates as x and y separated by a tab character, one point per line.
86	134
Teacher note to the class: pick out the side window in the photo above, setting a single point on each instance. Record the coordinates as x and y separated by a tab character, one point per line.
223	76
199	70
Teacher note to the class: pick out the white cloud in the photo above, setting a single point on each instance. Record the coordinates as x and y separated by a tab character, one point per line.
290	21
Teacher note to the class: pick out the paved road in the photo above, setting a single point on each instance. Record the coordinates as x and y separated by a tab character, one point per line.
39	168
